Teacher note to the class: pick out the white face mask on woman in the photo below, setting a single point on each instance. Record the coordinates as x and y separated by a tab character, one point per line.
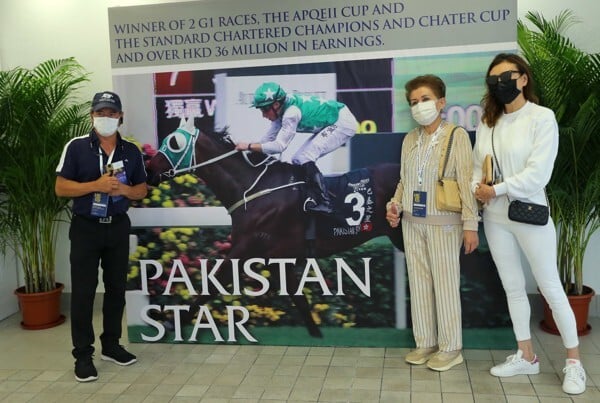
106	126
424	113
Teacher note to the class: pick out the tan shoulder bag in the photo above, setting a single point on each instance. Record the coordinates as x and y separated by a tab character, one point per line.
447	195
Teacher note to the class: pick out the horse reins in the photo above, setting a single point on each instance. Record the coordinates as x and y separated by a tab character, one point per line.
173	171
268	161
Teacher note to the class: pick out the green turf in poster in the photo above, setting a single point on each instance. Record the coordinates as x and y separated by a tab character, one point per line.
490	338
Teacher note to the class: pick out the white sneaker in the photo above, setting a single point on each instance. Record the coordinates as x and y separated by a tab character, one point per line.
574	382
515	364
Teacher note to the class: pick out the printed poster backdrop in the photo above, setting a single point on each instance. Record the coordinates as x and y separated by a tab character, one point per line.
201	61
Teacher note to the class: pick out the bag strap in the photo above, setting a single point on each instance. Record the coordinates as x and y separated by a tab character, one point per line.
500	171
446	153
494	154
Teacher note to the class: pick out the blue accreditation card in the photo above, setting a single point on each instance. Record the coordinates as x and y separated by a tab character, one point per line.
99	204
419	206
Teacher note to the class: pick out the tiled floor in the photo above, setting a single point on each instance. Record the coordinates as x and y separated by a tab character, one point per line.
36	366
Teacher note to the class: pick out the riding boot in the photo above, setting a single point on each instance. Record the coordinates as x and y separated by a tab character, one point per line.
318	199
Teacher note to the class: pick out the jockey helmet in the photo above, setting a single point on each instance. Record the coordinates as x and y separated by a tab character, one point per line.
267	94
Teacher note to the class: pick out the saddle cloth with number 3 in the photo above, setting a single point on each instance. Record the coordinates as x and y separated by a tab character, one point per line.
353	201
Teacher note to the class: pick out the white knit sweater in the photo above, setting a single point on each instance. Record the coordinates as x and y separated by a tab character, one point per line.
526	144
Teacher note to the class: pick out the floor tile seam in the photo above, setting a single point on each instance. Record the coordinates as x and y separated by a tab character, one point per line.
469	378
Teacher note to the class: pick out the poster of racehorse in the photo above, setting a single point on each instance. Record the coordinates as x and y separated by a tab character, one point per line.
223	251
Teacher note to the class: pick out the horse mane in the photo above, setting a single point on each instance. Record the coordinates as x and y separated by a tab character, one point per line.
222	137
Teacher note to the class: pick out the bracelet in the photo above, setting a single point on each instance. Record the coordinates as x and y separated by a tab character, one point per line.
249	146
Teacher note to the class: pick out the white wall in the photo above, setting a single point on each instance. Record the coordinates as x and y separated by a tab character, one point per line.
584	34
35	30
8	283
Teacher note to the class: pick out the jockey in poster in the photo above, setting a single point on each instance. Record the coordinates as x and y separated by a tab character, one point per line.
331	123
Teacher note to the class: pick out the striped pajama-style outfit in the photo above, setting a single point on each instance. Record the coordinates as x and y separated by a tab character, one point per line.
434	281
432	243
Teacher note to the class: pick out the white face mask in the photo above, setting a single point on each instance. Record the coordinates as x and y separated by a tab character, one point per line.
424	113
105	126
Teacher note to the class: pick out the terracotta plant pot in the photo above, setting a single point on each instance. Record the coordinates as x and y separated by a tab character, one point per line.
580	305
40	310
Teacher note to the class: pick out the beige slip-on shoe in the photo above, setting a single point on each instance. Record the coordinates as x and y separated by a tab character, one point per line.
420	355
444	360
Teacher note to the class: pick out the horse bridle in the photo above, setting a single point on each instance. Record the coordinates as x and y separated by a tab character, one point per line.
190	146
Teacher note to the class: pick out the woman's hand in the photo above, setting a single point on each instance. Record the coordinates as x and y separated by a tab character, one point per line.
470	241
392	215
484	193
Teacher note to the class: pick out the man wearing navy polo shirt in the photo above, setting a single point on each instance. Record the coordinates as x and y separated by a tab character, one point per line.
102	172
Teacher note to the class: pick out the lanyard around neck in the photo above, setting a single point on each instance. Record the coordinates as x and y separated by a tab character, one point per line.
428	150
100	159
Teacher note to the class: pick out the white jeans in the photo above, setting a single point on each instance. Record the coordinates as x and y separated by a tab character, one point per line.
538	244
328	139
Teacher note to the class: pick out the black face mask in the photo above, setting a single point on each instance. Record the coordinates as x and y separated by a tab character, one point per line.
505	91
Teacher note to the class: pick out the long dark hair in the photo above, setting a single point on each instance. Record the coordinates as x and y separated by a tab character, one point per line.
492	108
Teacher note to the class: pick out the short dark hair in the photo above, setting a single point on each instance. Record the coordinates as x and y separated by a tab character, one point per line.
428	80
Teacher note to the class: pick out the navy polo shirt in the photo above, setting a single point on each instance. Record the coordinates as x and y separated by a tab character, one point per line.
80	161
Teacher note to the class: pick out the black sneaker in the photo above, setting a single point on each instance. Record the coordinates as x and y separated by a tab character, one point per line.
85	371
118	355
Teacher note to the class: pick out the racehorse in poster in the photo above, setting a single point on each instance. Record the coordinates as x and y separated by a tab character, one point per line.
264	198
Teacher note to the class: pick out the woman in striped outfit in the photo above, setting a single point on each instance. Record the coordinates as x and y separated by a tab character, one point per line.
432	237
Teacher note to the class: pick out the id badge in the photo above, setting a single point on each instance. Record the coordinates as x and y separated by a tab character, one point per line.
99	204
419	206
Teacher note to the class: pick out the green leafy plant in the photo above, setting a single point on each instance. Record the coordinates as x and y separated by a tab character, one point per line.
568	82
39	113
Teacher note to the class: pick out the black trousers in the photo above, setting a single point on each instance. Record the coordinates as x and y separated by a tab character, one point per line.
94	243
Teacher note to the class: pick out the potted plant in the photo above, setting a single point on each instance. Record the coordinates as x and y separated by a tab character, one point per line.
38	115
568	82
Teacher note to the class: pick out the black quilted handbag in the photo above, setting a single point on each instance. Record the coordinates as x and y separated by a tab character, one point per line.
528	213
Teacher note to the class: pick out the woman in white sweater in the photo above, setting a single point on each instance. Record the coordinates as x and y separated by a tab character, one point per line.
522	137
